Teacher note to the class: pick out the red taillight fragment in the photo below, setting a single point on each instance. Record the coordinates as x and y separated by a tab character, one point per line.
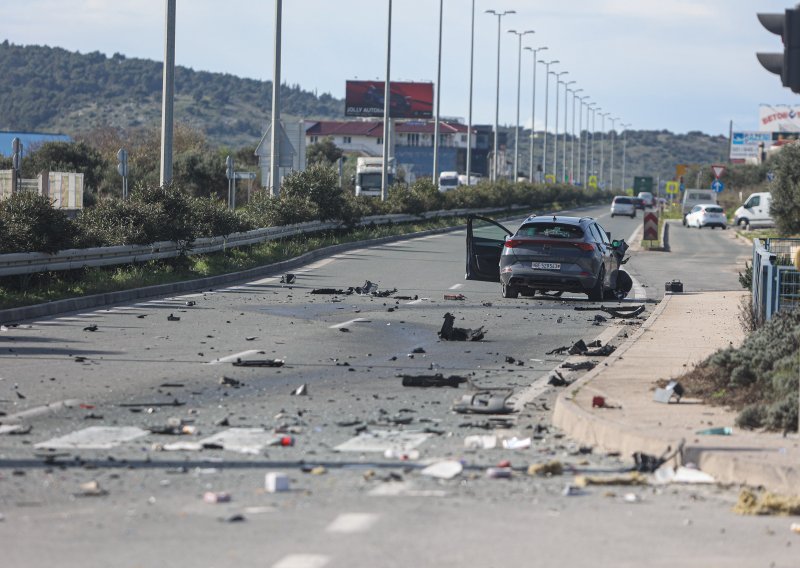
586	247
513	243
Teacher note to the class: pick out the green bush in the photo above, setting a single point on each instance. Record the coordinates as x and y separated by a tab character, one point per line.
786	190
114	222
30	224
212	218
174	218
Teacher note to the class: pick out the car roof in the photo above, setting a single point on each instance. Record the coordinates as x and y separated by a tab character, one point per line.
705	205
565	219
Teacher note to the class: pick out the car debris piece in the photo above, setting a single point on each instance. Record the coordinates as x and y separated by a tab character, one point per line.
483	402
258	363
676	287
517	443
190	303
175	402
480	442
415	297
331	291
682	474
598	402
447	469
172	317
455	297
302	390
549	468
578	348
603	351
557	380
15	429
216	497
230	382
598	319
582	366
91	489
92	327
673	389
437	380
450	333
723	431
499	472
558	351
288	279
367	288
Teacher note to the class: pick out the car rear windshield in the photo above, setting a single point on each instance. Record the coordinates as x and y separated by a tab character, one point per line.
700	196
551	230
623	200
714	209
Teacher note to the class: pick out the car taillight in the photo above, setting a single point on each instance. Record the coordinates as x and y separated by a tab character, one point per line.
586	247
513	243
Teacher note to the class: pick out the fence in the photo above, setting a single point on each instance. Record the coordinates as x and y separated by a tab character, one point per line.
776	282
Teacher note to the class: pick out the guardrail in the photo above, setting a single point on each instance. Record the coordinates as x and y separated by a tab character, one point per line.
776	282
71	259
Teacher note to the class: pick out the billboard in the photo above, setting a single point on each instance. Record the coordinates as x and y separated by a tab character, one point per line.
779	118
745	145
407	100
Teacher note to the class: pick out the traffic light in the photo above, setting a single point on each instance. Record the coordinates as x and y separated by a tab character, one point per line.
786	64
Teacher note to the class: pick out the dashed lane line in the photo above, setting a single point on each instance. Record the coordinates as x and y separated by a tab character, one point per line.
302	561
348	322
234	357
352	523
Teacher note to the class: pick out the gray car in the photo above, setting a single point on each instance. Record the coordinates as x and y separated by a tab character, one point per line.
546	254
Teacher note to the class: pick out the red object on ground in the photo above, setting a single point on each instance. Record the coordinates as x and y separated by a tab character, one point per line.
598	402
287	441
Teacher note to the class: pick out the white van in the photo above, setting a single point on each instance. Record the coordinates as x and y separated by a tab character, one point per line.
448	181
755	212
692	197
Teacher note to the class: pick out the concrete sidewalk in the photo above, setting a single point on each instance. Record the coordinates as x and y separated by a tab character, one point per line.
683	330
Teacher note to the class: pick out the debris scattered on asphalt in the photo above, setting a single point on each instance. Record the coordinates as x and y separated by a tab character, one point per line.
751	503
480	442
216	497
557	380
633	478
91	489
578	348
92	327
599	402
676	287
686	475
175	402
237	518
582	366
517	443
258	363
172	317
190	303
572	491
665	395
230	382
499	472
331	291
302	390
455	297
288	279
437	380
558	351
447	469
720	431
15	429
401	454
598	319
483	402
450	333
549	468
646	463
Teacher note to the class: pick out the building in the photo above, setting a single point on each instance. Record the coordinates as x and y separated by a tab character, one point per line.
30	140
292	155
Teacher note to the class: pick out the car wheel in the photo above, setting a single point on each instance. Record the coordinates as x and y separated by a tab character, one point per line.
685	224
598	291
612	215
633	215
509	291
724	227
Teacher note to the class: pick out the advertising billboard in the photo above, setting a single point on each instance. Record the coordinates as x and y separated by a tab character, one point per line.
745	145
407	100
779	118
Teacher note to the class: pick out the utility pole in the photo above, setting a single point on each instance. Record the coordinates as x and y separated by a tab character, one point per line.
275	140
168	94
387	94
438	98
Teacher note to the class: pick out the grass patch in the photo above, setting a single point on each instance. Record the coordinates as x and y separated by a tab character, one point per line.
29	289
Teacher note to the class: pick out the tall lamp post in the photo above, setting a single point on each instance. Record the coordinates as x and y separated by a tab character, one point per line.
572	142
386	107
555	146
625	128
497	94
469	120
438	100
613	135
168	92
519	85
593	108
603	116
547	64
566	128
580	139
533	106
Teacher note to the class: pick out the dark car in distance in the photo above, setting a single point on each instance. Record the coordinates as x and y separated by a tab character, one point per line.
545	254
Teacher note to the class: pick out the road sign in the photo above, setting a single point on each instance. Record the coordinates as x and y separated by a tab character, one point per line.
550	178
650	227
245	175
770	176
673	187
642	183
717	186
593	182
681	169
719	171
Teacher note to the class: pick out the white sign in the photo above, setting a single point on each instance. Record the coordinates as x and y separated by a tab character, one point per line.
718	171
779	118
745	145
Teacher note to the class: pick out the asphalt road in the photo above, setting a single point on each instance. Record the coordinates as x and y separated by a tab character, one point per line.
139	372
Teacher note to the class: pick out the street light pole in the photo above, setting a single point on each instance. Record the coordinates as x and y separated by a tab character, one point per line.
613	135
387	93
546	113
555	146
438	100
519	87
533	106
471	67
168	93
566	127
624	150
572	142
603	116
497	92
595	109
579	171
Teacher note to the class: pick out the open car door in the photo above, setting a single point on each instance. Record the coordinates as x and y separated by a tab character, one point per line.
485	240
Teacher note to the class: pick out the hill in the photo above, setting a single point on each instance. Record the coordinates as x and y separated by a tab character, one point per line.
52	89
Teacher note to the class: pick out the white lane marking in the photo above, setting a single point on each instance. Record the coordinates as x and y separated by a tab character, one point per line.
234	357
352	523
382	440
302	561
348	322
634	234
95	438
456	286
417	301
639	293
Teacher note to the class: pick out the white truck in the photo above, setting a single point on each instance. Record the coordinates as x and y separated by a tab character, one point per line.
448	181
755	212
369	172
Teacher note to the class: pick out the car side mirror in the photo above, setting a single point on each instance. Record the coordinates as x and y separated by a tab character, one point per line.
608	234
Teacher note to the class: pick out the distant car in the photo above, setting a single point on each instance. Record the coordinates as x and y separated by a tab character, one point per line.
755	212
647	198
623	205
638	202
692	197
547	253
707	216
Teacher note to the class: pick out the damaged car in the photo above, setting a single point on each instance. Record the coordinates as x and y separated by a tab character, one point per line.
545	254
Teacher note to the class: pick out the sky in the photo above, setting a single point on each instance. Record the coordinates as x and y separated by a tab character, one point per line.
678	65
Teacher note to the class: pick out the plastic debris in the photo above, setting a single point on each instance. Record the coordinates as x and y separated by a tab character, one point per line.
276	482
288	279
557	380
92	327
230	382
450	333
302	390
216	497
578	348
91	489
480	442
572	491
676	287
258	363
517	443
558	351
400	454
172	317
483	402
722	431
667	474
437	380
598	402
499	472
447	469
665	395
190	303
455	297
631	498
582	366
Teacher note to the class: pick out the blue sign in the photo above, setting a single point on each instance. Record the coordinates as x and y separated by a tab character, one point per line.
717	186
770	176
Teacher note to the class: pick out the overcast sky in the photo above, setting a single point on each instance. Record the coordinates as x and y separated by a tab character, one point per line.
679	65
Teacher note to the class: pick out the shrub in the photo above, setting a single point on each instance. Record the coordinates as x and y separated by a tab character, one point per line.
31	224
786	189
115	222
212	218
319	186
175	219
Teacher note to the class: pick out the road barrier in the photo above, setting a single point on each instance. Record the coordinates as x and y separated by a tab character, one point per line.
776	282
33	262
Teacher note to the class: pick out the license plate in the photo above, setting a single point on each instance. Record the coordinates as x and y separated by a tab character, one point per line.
546	265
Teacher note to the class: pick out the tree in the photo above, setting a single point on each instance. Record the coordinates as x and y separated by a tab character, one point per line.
786	189
323	152
66	157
